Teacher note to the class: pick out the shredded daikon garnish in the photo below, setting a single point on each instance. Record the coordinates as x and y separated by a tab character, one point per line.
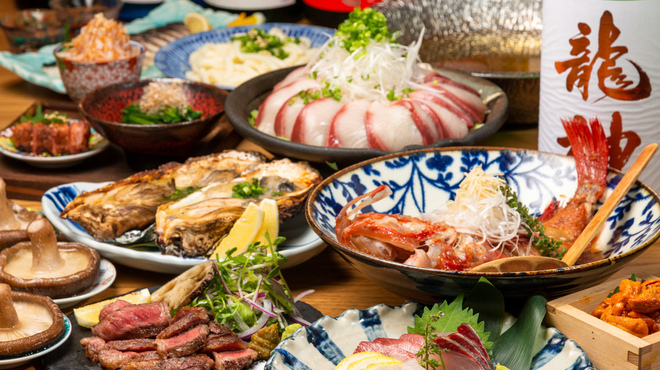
379	69
481	210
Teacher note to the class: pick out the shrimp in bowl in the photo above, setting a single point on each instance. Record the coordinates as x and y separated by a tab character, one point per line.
485	221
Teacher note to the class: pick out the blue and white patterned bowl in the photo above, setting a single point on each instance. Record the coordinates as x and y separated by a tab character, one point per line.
326	342
422	180
172	59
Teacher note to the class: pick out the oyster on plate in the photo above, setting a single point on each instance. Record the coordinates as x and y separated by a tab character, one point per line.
130	204
193	225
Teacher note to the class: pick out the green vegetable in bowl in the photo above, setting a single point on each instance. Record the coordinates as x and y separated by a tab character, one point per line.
134	114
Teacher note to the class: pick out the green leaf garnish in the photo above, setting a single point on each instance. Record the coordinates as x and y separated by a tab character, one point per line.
487	302
514	348
535	230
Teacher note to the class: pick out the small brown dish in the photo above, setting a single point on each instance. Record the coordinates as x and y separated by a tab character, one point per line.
103	107
47	267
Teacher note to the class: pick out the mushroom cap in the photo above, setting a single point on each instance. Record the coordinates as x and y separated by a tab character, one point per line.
55	287
41	339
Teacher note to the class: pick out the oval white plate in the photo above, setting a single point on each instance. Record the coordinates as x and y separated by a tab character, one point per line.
97	144
301	242
105	278
14	362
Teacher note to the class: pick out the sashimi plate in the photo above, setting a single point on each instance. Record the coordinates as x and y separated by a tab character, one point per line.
301	242
329	340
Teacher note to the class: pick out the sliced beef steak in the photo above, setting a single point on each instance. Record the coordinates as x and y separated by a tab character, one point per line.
184	319
194	362
234	360
183	344
134	321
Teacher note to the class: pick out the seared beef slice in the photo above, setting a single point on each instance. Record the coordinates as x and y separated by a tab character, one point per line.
184	319
183	344
134	321
234	360
194	362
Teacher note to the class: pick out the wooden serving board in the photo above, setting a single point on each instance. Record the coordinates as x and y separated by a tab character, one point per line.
28	182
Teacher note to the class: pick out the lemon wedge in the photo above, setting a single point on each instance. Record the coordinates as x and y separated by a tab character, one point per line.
367	360
88	316
271	223
196	22
242	233
244	20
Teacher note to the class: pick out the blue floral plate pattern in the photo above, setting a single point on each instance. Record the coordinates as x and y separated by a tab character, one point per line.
172	59
422	180
327	341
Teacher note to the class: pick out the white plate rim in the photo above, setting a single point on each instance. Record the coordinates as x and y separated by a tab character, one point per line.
74	232
105	278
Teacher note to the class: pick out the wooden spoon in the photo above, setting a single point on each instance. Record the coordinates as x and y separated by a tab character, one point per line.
537	263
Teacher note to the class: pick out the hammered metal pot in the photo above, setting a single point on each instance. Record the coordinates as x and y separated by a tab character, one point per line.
460	33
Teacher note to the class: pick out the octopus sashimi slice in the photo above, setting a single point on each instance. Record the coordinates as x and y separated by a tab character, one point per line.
435	76
265	120
391	127
298	73
287	115
347	127
313	122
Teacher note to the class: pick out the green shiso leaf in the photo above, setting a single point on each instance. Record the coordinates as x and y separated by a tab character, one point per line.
488	302
453	315
514	348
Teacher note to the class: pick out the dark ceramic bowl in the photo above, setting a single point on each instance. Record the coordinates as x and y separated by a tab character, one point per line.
29	30
102	109
423	180
496	40
248	96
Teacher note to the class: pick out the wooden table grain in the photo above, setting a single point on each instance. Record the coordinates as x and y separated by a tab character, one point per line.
337	285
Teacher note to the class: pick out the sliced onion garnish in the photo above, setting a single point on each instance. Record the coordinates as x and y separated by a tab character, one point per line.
303	294
263	320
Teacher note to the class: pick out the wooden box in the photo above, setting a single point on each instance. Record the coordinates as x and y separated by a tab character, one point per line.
607	346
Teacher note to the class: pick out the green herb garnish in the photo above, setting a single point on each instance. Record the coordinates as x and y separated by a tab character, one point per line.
431	347
133	114
327	91
253	116
255	276
46	118
181	193
535	230
257	40
247	189
363	27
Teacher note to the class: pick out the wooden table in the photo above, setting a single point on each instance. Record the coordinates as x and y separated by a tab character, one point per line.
337	285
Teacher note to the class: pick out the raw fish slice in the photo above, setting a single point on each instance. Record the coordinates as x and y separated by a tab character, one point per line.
471	347
313	122
453	126
389	351
400	343
452	346
435	76
287	115
468	331
470	104
347	127
265	120
391	127
426	120
296	74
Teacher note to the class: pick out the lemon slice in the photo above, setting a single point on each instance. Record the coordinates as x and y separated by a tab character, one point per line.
271	223
196	22
364	360
88	316
243	20
242	233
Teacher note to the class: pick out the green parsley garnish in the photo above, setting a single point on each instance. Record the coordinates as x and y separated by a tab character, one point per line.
535	230
247	189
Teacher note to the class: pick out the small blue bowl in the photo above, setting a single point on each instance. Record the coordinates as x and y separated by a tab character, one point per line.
422	180
172	59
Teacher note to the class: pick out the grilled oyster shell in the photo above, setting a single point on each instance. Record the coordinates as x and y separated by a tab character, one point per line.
192	226
131	204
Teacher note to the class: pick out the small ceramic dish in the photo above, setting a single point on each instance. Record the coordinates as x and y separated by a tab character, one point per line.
97	144
329	340
104	279
11	363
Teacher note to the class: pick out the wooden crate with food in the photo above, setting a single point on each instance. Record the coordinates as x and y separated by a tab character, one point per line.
626	336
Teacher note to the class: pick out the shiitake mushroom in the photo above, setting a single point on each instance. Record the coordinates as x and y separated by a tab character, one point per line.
13	220
28	322
44	266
